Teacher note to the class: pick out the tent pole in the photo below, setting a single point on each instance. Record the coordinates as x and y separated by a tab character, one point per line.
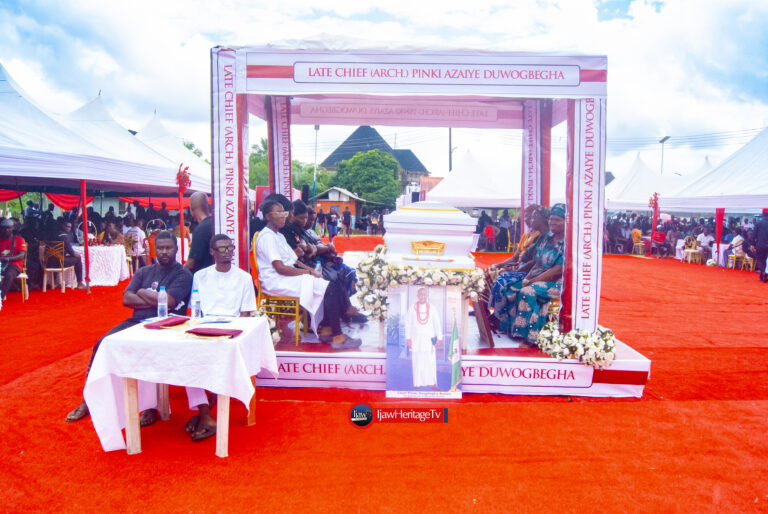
85	238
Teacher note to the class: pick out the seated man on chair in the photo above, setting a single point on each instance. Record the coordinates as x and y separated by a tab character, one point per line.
224	290
13	248
281	274
71	258
141	296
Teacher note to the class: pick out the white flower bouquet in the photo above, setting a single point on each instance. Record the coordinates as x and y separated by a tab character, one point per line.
596	349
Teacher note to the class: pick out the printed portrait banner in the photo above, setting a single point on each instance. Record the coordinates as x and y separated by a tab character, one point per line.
587	201
279	126
531	169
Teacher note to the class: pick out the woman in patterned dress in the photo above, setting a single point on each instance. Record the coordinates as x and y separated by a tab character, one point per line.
543	283
515	269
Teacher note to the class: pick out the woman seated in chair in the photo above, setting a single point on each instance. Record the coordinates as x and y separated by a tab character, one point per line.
520	315
281	274
514	269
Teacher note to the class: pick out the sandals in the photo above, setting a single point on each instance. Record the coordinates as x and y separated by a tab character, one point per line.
77	414
204	433
148	417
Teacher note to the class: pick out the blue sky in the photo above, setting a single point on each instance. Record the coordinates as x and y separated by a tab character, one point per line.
678	68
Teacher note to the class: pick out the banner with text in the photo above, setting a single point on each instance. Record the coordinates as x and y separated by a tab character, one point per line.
227	180
531	169
587	208
279	126
511	74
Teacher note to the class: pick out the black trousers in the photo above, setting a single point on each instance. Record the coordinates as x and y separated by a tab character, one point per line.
762	254
69	261
335	305
10	274
122	326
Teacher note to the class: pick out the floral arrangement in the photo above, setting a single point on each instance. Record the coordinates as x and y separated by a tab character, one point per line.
593	349
711	262
653	201
375	275
182	179
273	330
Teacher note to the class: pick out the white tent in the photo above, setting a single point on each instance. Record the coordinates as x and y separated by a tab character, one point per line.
633	190
38	150
156	136
739	183
476	184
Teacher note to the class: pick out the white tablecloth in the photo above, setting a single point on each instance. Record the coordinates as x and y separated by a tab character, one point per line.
178	249
169	356
108	264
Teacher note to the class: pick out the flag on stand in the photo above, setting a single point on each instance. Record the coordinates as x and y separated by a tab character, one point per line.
455	357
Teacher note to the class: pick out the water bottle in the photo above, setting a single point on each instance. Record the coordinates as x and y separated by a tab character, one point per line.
162	303
194	304
319	268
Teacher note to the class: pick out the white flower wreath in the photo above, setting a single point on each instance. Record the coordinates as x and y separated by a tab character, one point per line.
375	275
596	349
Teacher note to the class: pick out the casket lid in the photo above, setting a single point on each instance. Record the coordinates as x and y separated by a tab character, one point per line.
430	213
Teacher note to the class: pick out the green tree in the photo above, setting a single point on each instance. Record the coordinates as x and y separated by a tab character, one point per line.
303	175
258	165
373	176
195	150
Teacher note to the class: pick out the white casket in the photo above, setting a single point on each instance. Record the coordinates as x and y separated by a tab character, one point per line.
430	235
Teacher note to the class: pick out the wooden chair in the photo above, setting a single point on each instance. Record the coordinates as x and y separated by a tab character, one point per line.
277	305
553	311
691	252
23	277
55	249
735	260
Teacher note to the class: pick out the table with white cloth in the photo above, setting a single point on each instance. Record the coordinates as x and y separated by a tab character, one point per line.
178	250
129	364
720	257
108	265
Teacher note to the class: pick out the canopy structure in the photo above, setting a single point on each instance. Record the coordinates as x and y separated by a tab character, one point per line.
317	83
739	183
41	152
472	183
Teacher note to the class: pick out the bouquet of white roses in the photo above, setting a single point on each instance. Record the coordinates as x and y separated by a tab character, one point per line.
596	349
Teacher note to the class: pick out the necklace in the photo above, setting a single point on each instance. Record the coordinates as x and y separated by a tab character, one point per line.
422	321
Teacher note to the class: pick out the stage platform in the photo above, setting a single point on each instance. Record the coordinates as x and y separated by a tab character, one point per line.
507	368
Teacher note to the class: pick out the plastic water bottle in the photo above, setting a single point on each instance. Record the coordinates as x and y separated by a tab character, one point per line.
319	268
194	304
162	303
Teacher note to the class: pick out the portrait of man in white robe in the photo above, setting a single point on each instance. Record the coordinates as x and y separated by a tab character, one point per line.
424	333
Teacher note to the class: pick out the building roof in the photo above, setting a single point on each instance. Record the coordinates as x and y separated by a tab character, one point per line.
340	190
366	138
408	161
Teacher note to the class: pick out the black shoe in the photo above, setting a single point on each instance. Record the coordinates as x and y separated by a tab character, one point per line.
348	343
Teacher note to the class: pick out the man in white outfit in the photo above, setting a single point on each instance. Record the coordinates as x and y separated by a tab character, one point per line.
224	290
423	332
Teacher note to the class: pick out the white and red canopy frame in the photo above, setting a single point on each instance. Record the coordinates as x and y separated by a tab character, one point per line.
476	89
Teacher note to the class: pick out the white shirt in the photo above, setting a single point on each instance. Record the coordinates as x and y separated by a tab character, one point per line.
224	293
271	246
738	245
705	241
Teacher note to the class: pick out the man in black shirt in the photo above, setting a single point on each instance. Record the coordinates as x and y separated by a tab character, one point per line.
141	296
761	244
200	252
71	258
346	221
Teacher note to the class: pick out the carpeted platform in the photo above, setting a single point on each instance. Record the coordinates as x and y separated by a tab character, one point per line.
696	441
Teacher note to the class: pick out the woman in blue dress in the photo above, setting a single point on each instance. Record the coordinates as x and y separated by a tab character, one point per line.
515	269
543	283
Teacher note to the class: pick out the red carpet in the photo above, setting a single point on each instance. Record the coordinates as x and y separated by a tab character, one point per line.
696	441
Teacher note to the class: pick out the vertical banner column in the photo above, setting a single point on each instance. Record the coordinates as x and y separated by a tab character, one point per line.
279	132
546	152
531	175
227	166
586	197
